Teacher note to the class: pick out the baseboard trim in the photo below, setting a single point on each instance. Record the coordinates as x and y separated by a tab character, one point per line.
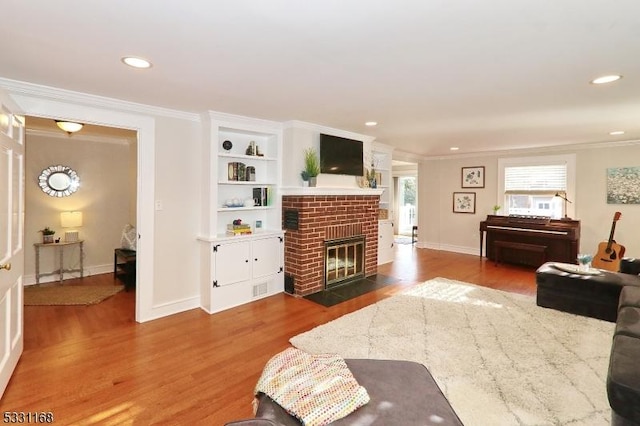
88	271
449	247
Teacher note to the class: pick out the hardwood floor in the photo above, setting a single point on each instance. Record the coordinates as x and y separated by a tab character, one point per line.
96	365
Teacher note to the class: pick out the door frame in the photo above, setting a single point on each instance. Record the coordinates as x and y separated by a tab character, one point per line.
102	113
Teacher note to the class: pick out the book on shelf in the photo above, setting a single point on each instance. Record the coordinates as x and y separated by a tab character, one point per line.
262	196
236	171
235	232
231	227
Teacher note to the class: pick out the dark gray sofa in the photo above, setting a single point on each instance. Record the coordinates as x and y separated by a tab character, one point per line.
623	377
401	393
611	296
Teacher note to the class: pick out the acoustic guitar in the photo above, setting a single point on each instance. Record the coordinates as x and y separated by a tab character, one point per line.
609	253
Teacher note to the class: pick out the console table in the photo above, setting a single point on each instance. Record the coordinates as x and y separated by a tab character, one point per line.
59	247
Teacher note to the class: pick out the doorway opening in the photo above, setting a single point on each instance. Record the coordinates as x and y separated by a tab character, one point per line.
106	198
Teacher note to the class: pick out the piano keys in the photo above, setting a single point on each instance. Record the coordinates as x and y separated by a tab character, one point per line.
557	239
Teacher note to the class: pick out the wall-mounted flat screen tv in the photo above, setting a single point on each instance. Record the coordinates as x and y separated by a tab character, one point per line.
340	156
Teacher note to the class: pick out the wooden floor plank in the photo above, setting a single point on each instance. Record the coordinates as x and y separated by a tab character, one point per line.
96	365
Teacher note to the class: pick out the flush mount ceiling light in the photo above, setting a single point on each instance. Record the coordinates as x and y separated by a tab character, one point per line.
371	123
136	62
617	132
69	126
454	148
606	79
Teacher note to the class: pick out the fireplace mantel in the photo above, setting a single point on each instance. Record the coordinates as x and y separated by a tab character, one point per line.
303	190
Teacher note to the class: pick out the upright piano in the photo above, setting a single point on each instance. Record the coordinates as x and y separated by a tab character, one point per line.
556	239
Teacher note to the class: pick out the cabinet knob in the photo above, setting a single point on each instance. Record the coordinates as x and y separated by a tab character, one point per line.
6	266
256	259
246	261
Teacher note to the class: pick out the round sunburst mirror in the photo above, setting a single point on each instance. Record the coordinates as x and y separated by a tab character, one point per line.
59	181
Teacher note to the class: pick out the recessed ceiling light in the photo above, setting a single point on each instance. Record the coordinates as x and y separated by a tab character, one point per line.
135	62
606	79
617	132
371	123
454	148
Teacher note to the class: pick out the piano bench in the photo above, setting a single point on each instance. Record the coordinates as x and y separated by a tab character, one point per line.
532	248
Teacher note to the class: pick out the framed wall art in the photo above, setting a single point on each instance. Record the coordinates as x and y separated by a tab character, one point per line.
623	185
473	177
464	202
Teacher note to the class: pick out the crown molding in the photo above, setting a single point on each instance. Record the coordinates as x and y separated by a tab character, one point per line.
234	120
31	89
295	124
76	136
519	151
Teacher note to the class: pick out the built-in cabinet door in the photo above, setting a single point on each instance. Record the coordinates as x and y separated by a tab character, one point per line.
231	262
385	241
266	256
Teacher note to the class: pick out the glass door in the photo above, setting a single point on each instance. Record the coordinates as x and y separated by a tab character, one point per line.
407	204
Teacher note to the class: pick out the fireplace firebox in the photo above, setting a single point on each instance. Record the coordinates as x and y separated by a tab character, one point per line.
344	260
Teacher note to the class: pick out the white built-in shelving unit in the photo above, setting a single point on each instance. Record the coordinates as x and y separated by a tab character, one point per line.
381	156
242	268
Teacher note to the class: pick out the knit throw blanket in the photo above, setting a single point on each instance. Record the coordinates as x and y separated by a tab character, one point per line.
316	389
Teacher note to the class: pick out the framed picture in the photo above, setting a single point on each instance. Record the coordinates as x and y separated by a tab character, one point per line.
473	177
464	202
623	185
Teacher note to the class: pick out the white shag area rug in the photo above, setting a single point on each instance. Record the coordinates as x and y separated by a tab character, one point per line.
498	357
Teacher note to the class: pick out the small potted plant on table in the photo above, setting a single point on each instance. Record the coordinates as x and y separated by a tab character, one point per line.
47	235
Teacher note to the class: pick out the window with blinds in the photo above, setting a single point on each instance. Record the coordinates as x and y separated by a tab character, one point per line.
535	180
530	190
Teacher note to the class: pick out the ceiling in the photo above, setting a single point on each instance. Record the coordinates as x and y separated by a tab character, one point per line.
482	76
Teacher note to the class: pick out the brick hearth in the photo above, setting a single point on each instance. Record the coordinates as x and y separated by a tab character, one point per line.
321	218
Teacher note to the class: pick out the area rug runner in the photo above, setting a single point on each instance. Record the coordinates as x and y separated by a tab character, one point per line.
56	294
498	357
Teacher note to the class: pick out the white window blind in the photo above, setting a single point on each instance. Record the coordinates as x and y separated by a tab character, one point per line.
547	179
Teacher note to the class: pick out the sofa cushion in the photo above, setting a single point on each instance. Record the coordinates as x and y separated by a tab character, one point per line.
629	296
628	323
630	265
623	380
401	392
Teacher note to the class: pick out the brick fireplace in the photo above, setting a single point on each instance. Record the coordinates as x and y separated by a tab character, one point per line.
313	220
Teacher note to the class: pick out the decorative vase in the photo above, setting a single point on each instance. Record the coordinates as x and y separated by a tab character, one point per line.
373	183
47	239
312	181
305	183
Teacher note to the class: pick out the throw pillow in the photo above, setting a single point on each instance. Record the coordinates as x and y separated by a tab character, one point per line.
317	389
129	237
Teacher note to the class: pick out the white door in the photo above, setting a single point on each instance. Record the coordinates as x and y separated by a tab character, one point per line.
11	238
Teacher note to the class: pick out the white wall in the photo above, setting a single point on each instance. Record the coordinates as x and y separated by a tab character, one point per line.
440	228
178	183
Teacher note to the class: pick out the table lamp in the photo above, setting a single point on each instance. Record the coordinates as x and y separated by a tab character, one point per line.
71	220
564	197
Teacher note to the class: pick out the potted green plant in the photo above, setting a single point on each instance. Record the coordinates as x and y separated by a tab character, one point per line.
311	166
47	235
305	178
496	208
